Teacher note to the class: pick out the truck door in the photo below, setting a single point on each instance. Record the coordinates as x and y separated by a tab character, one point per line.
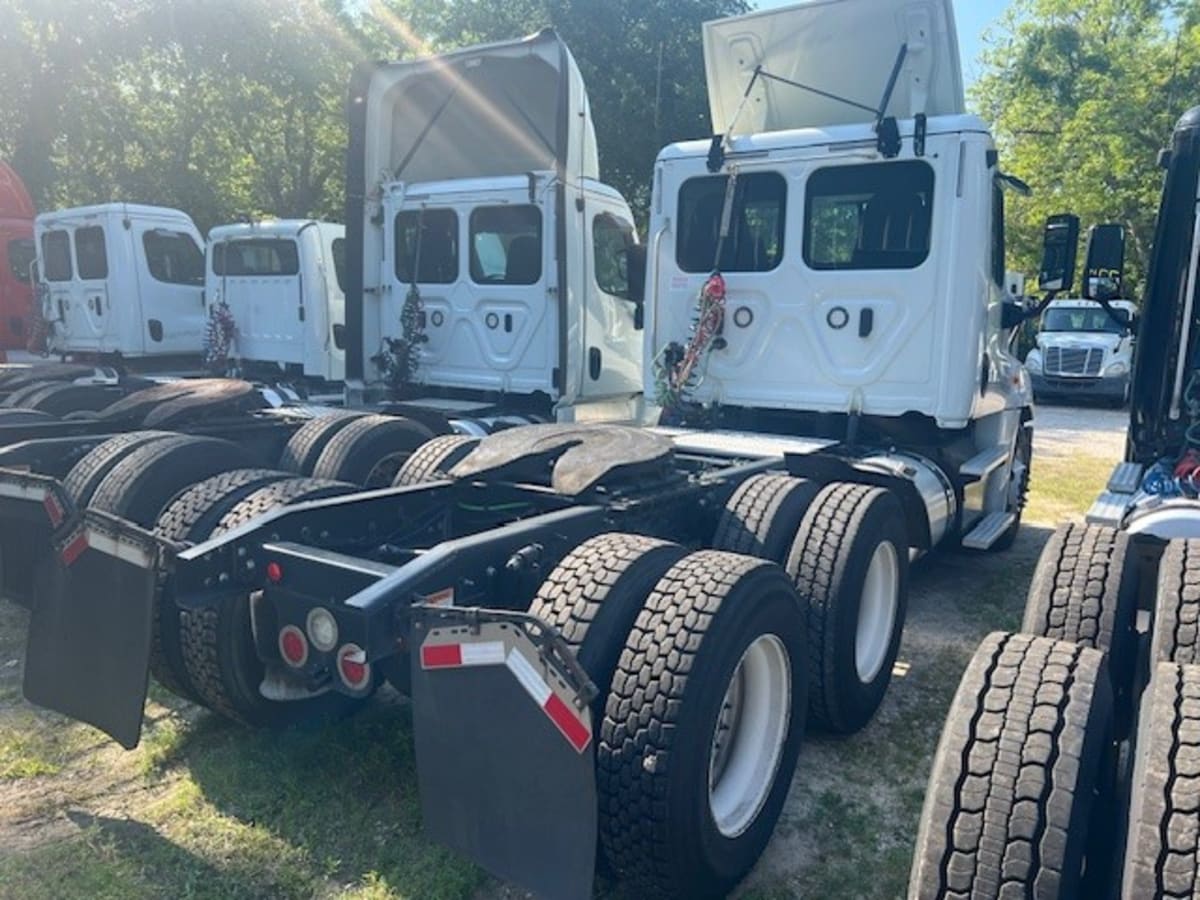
171	285
260	280
92	311
64	309
490	310
611	319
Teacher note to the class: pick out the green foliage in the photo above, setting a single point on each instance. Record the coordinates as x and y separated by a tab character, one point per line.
229	108
1081	95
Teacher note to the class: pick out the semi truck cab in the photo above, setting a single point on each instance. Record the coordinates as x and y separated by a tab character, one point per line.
122	280
16	261
1083	351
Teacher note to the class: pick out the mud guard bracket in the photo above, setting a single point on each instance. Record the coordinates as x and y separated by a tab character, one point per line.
505	757
88	650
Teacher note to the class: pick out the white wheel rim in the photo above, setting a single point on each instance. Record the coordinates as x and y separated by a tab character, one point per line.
877	612
748	741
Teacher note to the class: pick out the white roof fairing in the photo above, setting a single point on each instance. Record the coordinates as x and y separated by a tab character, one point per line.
843	47
500	109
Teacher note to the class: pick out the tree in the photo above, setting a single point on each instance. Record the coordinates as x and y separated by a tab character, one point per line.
1081	94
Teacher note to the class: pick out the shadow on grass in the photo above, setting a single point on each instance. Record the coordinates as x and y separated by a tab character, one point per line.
344	796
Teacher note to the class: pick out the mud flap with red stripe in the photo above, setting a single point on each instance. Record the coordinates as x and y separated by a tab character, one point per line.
33	510
88	649
504	743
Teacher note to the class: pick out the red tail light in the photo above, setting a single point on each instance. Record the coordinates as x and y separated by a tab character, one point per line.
292	646
353	667
274	572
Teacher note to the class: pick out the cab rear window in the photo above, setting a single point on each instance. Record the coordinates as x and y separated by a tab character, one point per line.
869	216
173	257
261	257
754	242
56	256
427	241
506	245
91	253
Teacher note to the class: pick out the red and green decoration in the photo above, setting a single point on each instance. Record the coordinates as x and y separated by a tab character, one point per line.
677	370
219	335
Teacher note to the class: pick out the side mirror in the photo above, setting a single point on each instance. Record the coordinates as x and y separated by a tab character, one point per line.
1104	268
1012	313
1060	243
632	261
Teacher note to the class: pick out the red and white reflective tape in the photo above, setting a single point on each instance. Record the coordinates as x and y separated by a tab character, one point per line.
54	509
74	547
492	653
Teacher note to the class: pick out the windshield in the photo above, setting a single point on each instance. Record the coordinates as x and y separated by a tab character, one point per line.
1084	319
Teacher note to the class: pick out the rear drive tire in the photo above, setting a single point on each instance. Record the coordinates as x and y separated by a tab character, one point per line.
1084	590
87	474
1163	844
190	519
1176	635
850	562
370	451
594	595
434	458
141	485
1007	808
763	515
304	448
218	648
702	726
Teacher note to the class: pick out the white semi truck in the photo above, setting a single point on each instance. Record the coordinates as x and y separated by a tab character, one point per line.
1068	765
1084	351
613	635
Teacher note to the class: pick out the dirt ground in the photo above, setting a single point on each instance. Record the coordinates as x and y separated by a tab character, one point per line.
204	809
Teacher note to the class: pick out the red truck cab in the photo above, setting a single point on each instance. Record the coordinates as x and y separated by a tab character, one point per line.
17	253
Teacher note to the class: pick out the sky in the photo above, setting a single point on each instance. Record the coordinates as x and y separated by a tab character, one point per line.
972	16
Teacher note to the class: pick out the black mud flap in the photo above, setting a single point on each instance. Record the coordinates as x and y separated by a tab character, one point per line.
505	757
88	652
33	510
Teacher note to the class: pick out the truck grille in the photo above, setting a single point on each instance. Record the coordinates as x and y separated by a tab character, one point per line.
1068	361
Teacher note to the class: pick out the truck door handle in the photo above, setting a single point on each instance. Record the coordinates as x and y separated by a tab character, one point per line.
866	321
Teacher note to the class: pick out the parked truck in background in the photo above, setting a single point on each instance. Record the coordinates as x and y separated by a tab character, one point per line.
281	284
1083	351
16	261
1067	765
613	635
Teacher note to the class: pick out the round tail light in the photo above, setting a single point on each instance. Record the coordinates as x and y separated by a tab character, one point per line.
292	646
353	667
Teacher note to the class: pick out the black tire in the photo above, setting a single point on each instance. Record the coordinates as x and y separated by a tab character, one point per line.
141	485
217	642
829	562
434	458
1176	635
132	408
18	378
370	451
189	519
1084	590
19	398
1013	782
217	398
63	398
1020	481
281	493
763	515
594	595
23	417
85	476
668	699
304	448
1163	844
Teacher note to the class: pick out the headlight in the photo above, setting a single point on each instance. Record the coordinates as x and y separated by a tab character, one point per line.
1116	369
1033	362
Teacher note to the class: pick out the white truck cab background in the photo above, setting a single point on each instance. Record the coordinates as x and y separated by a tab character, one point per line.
512	243
281	280
122	278
1082	351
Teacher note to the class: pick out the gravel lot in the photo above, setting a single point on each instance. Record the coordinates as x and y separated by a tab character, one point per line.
1095	431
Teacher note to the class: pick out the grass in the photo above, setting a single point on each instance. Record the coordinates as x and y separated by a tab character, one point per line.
203	809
